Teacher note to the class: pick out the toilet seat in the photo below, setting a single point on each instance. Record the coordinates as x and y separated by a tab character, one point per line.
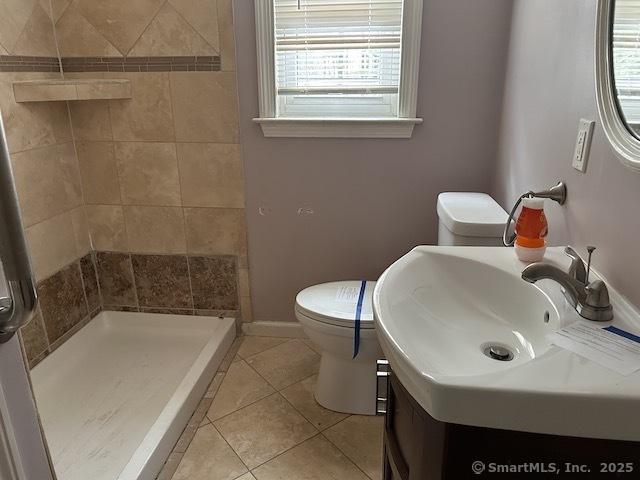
335	303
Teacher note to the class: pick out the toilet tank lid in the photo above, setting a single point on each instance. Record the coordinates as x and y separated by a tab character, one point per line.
471	214
337	302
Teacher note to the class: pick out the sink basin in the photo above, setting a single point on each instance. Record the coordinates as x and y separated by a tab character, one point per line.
468	338
454	308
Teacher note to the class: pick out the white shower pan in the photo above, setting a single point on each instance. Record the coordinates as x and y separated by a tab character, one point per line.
115	397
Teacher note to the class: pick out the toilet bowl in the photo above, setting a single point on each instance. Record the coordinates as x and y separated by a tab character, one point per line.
328	314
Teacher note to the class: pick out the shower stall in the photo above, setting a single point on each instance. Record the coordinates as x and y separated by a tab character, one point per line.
115	398
122	228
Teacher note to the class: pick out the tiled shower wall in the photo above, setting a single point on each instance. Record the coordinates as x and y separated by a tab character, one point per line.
45	168
152	185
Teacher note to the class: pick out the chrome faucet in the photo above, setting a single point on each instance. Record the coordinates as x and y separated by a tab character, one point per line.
590	299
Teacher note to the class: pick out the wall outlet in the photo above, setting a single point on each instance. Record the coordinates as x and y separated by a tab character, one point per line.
583	145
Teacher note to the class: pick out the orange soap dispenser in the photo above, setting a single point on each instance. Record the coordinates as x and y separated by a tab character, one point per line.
531	230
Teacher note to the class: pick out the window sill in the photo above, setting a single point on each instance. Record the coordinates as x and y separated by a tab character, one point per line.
338	127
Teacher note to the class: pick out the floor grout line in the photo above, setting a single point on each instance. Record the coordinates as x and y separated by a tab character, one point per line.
297	409
345	453
271	348
267	349
276	456
232	449
318	432
286	340
276	391
299	412
287	450
244	406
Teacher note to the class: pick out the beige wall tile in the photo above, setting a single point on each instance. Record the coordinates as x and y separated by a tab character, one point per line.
59	7
3	51
90	120
107	228
99	173
77	37
216	231
170	34
32	125
104	89
14	15
246	309
155	229
211	175
243	282
147	116
120	21
148	173
205	106
52	245
203	16
43	93
227	40
81	231
37	37
48	182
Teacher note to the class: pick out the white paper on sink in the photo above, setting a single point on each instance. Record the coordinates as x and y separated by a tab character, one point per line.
611	347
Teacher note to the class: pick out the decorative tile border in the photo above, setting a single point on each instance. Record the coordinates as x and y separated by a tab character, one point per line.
67	301
15	63
179	284
141	64
173	284
20	63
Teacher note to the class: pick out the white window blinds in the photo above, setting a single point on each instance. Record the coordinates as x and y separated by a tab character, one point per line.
337	57
626	57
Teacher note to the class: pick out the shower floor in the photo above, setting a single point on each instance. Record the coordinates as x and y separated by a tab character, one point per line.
115	397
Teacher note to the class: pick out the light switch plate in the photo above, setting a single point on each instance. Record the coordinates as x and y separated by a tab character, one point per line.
583	145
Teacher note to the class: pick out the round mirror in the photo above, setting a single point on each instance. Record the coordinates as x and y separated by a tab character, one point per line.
618	76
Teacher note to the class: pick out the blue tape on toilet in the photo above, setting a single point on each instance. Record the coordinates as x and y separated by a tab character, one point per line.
356	331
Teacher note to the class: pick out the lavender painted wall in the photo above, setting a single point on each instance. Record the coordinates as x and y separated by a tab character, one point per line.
372	200
549	87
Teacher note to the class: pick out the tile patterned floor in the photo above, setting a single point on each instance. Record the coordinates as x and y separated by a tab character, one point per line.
259	421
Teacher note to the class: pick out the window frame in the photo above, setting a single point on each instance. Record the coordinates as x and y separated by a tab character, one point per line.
339	127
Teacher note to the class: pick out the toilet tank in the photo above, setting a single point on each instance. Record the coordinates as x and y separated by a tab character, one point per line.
469	218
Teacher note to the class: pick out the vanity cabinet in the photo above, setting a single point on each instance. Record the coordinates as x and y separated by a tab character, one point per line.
419	447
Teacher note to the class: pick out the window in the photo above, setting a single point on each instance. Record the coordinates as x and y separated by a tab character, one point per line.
338	68
626	60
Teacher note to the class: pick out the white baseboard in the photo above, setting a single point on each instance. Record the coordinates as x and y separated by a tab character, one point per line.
274	329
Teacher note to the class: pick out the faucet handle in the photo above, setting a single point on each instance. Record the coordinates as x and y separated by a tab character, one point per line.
597	295
577	269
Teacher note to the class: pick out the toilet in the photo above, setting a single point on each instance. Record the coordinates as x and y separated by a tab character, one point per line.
327	312
469	218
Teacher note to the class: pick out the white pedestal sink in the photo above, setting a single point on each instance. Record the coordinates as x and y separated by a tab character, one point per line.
439	309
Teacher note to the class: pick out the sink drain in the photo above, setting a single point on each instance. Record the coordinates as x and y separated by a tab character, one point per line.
498	352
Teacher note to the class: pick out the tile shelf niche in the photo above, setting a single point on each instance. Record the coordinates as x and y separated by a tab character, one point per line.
73	89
